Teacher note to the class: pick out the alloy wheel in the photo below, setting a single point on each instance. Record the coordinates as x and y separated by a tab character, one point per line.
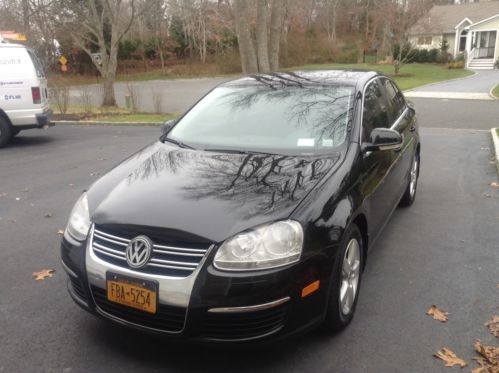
414	176
350	272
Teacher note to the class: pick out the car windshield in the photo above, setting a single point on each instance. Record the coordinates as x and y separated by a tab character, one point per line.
298	119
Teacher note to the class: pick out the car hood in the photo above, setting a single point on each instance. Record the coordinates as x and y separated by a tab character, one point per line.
212	195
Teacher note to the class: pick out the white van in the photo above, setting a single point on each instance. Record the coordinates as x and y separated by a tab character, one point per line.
23	92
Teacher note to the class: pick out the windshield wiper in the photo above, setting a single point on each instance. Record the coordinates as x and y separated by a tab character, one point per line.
236	151
178	143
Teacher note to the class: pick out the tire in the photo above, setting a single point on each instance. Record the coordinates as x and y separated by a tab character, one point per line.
5	132
340	310
412	184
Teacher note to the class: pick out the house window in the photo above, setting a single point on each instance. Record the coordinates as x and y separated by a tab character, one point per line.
424	40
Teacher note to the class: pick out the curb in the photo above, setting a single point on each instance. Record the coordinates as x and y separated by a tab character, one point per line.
94	123
444	81
491	94
495	142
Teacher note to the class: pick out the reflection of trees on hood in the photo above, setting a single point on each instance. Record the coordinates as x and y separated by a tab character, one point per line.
323	109
269	181
158	162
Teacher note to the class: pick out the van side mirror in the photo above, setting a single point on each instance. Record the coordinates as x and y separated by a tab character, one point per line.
383	139
167	126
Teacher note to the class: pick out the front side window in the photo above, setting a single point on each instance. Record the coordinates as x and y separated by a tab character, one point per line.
261	117
375	111
396	102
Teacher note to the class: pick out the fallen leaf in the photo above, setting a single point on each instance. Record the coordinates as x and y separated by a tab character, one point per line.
450	358
18	199
3	195
484	148
437	314
60	232
483	365
47	215
493	325
489	356
43	274
494	184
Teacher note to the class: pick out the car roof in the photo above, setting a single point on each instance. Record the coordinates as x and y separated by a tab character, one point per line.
308	78
9	45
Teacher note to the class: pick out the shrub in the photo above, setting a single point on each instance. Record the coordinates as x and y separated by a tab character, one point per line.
228	62
127	48
433	55
456	65
351	56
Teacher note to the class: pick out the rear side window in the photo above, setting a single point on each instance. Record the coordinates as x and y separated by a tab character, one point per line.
375	111
396	102
36	63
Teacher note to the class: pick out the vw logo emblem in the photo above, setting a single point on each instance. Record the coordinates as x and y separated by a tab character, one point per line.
138	251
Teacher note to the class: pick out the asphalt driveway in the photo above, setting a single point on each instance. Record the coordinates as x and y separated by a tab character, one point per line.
476	87
443	250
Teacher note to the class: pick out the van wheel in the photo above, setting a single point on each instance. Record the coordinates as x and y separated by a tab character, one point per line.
5	132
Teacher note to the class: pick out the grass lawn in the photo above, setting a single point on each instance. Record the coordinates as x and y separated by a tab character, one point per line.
495	91
139	118
109	114
412	75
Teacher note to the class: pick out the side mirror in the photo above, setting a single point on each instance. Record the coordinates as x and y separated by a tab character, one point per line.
411	105
383	139
167	126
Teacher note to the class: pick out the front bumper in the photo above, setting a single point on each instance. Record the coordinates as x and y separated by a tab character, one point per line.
222	306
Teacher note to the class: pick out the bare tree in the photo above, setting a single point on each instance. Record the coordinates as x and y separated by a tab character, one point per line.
245	40
259	54
96	18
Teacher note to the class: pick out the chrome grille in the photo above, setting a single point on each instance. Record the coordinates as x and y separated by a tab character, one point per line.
166	260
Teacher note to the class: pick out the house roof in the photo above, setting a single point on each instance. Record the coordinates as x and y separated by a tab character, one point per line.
444	18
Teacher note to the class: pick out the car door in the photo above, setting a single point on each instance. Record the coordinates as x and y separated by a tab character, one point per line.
402	119
376	164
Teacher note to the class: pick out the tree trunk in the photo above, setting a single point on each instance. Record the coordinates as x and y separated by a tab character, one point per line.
262	36
109	99
162	59
276	27
109	75
244	39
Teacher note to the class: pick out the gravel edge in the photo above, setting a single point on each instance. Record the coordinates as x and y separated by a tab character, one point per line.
495	142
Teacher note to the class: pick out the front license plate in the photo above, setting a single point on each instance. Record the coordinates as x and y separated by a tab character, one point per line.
135	293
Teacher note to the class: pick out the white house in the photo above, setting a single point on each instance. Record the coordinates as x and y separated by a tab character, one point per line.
471	29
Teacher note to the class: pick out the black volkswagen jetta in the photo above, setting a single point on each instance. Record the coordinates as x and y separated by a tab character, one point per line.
251	217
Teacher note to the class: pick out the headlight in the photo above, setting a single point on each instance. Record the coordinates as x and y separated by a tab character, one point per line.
79	220
265	247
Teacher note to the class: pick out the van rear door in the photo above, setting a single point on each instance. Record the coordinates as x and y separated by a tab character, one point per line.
43	92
